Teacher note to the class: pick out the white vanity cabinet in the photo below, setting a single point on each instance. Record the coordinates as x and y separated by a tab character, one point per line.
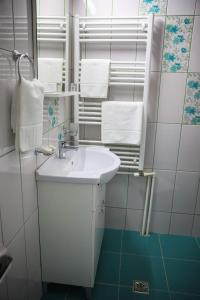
71	220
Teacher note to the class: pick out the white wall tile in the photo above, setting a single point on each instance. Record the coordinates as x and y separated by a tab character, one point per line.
154	89
33	257
97	51
56	50
29	190
11	196
117	93
149	148
20	9
53	136
197	9
99	7
172	93
6	135
166	147
141	52
134	219
17	277
197	209
120	51
125	7
136	192
1	236
163	193
6	10
116	191
189	158
196	226
185	193
181	7
41	158
138	93
52	8
194	63
157	43
115	218
160	222
70	6
79	7
92	132
181	224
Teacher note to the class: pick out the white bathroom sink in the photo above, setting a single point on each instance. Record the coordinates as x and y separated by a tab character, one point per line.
89	164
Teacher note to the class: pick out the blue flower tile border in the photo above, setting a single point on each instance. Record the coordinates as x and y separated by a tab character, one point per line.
177	42
157	7
191	114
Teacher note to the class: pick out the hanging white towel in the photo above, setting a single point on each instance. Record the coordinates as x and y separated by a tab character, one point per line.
94	78
27	114
122	122
50	73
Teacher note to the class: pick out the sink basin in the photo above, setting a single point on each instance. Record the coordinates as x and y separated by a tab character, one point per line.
96	165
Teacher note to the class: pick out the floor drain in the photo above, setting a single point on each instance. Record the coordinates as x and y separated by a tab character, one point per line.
141	287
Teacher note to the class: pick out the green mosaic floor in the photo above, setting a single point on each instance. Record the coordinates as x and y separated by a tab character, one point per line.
171	264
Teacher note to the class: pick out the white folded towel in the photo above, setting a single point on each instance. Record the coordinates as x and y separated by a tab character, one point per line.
122	122
27	114
50	73
94	78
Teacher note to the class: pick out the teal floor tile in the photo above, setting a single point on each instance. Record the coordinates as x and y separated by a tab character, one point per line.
181	247
127	294
104	292
134	243
184	297
183	276
112	240
145	268
108	268
198	241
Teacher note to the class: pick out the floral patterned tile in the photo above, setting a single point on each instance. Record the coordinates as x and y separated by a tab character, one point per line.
178	34
157	7
191	115
50	114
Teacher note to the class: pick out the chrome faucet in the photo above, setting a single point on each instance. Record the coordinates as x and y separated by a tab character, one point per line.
64	146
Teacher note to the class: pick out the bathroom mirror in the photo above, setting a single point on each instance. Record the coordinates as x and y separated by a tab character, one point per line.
53	66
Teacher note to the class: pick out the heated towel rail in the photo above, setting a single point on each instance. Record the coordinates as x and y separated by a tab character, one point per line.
133	74
53	30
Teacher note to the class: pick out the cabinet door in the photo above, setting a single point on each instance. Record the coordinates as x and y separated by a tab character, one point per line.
99	217
65	213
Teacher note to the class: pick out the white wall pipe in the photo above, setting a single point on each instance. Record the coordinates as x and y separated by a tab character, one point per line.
146	205
150	204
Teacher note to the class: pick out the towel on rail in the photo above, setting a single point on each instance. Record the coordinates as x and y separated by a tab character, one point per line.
94	78
50	73
122	122
27	114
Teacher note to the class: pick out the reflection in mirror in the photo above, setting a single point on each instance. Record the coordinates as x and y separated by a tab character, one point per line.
53	52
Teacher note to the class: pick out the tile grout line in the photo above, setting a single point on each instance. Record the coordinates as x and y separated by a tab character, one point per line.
158	211
197	242
120	263
153	256
162	257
